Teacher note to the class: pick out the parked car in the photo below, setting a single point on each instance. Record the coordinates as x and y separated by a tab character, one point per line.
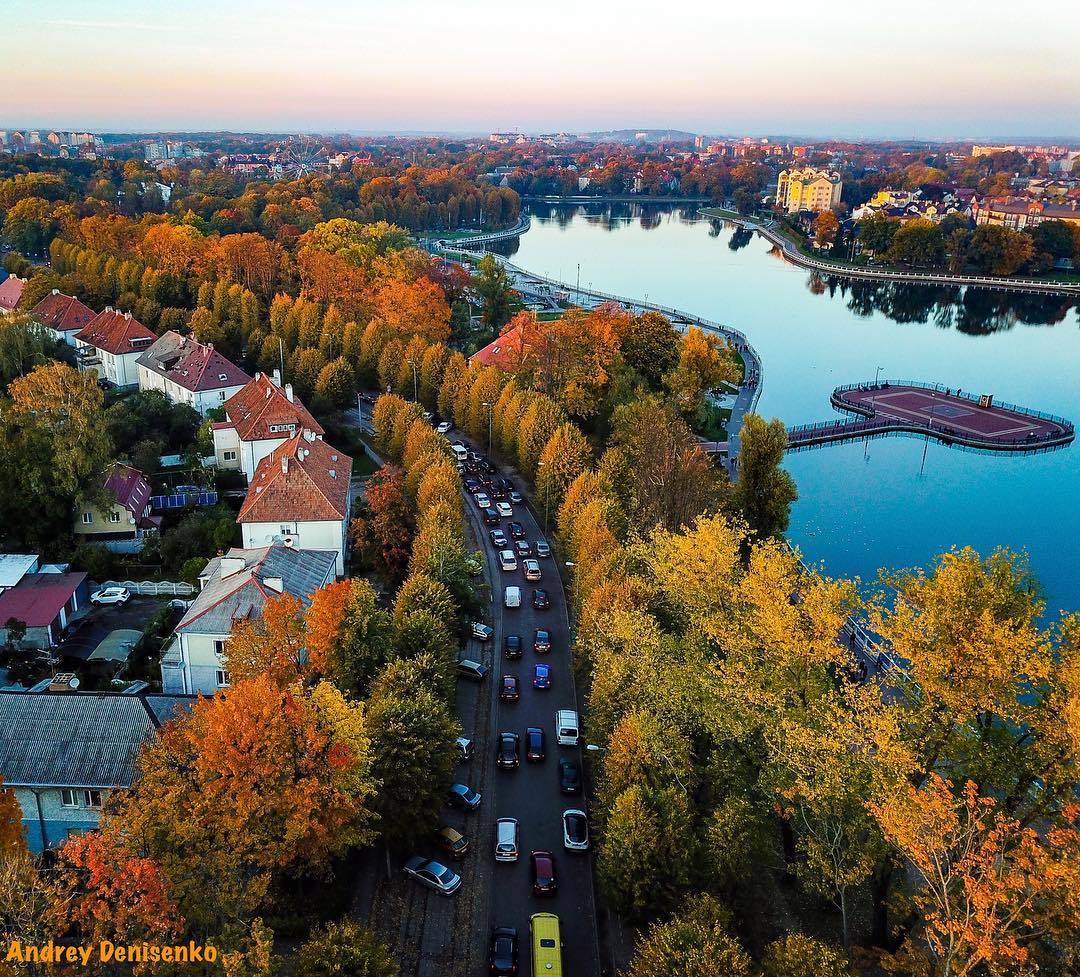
464	748
534	744
467	668
503	956
515	497
463	797
451	841
433	874
506	840
110	595
507	753
532	570
575	830
481	631
543	549
498	538
444	427
541	601
541	641
508	689
541	676
512	597
504	509
543	873
569	776
507	560
517	531
566	727
512	646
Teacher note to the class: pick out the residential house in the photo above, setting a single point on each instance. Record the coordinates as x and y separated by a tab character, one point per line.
110	343
64	315
235	587
507	351
259	417
43	602
122	526
61	753
1018	213
11	290
189	372
300	495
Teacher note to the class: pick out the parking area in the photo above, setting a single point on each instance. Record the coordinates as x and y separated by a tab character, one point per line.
101	621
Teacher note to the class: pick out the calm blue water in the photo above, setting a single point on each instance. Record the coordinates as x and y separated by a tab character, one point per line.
862	507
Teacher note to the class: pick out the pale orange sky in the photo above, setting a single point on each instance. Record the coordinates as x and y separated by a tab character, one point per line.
845	68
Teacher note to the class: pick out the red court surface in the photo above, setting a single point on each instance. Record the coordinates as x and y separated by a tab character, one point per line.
947	411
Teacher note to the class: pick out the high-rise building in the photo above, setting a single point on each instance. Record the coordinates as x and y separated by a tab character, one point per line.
808	189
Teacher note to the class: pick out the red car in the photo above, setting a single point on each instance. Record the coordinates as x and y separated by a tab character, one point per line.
508	690
543	873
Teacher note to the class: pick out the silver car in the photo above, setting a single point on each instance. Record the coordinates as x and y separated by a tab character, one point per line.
506	840
433	874
575	830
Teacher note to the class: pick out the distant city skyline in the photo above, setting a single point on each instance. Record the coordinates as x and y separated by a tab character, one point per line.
475	66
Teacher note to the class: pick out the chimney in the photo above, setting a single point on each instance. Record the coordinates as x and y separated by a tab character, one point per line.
108	308
276	377
309	435
64	682
284	464
288	392
127	315
56	291
231	565
276	584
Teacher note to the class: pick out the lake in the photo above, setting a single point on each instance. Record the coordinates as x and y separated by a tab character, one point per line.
894	502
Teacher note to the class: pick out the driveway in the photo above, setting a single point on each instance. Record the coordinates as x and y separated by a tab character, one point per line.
100	621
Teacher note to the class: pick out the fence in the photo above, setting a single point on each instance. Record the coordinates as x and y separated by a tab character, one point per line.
154	588
182	499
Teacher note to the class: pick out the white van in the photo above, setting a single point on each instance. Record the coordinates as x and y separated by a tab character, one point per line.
461	453
566	727
512	597
506	840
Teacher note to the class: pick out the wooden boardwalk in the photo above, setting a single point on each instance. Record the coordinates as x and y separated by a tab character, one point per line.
945	414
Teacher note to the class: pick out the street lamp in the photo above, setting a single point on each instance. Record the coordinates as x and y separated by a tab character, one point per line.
415	384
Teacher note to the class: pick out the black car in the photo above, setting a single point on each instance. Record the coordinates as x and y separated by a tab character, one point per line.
503	958
491	517
534	744
498	493
472	486
541	601
541	641
517	531
569	776
498	538
512	645
508	689
507	754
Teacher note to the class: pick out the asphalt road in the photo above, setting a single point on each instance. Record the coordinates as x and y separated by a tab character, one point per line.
531	792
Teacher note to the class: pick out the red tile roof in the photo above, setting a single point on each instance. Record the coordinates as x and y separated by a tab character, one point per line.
262	403
116	332
191	364
61	312
11	289
302	480
506	352
37	598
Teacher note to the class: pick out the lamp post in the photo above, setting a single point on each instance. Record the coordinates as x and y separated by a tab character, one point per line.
415	383
929	428
873	412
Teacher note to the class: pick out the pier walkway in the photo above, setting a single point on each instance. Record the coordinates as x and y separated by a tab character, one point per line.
945	414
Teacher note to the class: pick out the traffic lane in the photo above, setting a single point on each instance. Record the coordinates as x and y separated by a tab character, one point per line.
531	793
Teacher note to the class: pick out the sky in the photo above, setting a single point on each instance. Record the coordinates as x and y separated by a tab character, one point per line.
933	69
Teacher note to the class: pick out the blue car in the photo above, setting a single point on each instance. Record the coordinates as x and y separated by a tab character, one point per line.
463	797
541	676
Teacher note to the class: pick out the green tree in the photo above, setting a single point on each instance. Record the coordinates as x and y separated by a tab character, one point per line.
695	941
796	955
763	490
336	383
500	303
345	948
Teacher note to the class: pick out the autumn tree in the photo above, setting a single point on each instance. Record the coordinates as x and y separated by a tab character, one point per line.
384	530
565	456
696	940
705	362
345	947
826	227
272	645
349	637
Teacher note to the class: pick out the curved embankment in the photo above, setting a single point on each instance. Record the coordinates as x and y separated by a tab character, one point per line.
953	417
790	251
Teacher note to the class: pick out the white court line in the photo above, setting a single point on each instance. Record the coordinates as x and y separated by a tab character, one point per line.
923	415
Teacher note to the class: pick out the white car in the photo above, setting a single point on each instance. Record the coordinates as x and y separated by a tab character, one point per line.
482	500
444	428
481	631
575	830
506	840
532	570
110	595
512	597
433	874
504	510
507	560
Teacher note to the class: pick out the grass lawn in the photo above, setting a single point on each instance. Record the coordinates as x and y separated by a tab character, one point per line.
715	426
719	212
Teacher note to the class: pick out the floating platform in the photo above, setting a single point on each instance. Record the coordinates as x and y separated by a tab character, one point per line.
948	415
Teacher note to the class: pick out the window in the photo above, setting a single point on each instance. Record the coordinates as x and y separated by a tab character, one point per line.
222	678
114	516
92	798
69	798
219	646
87	518
229	455
221	393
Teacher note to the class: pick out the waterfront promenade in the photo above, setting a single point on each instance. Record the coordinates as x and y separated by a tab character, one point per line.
948	415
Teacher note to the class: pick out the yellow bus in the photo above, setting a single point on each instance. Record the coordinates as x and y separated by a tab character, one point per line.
546	945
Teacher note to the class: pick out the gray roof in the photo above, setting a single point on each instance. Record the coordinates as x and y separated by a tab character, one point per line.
76	739
241	594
